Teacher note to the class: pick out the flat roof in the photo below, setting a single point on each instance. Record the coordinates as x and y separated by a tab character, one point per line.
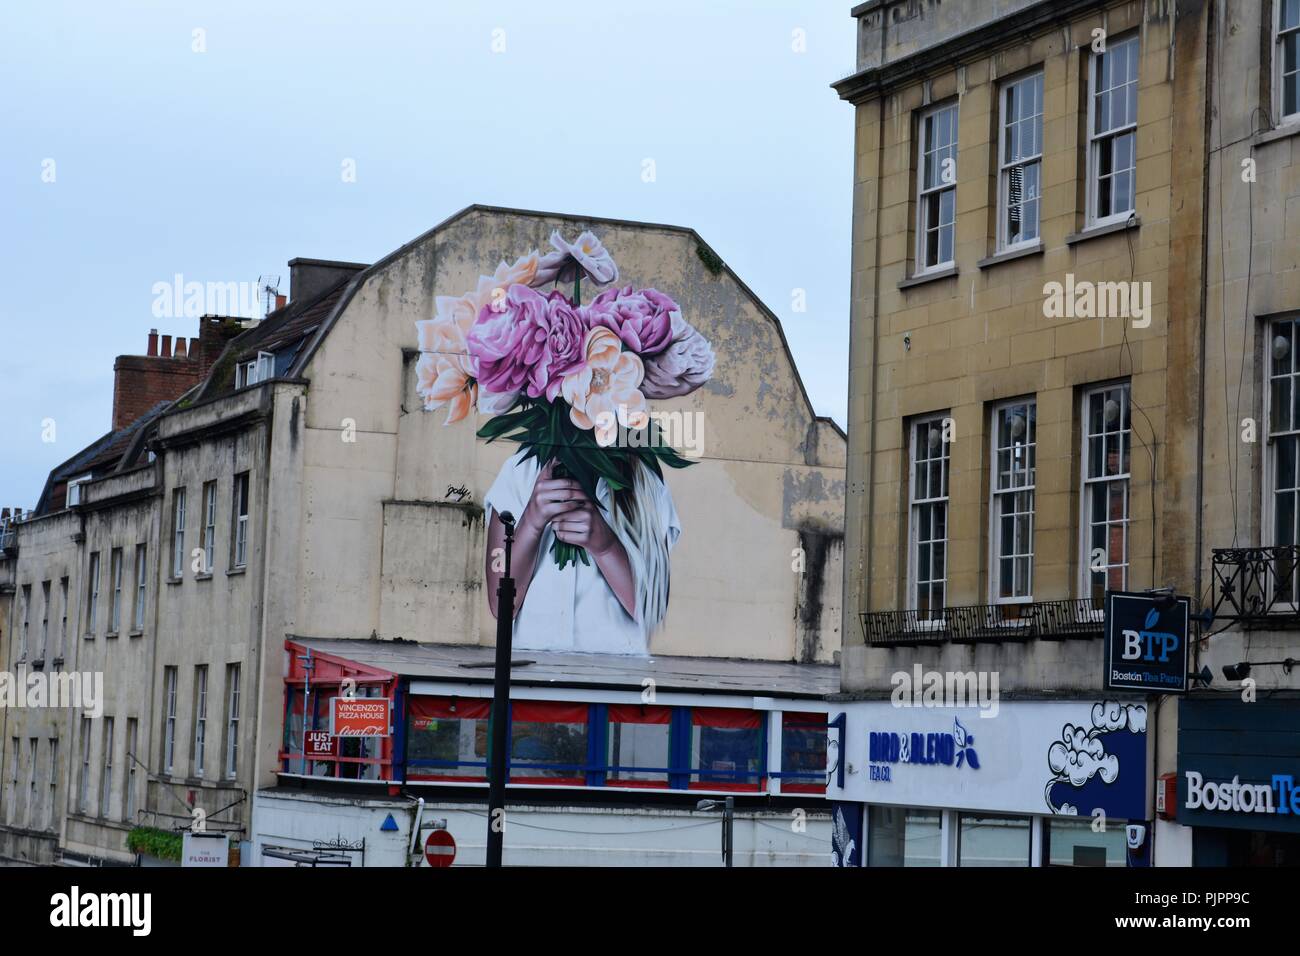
472	663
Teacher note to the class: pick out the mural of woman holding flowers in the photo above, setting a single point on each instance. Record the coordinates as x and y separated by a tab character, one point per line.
594	517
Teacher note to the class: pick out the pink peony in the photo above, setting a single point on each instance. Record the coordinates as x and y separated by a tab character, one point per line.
681	368
643	319
512	344
568	329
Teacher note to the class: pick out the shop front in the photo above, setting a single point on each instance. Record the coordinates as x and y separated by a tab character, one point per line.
1238	764
1026	783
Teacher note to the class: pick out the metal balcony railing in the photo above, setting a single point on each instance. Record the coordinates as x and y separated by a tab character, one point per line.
985	623
1257	587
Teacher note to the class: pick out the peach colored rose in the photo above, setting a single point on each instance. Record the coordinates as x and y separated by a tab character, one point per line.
604	393
441	381
446	373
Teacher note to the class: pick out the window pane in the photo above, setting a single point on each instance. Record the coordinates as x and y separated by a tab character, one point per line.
803	752
901	836
725	756
1075	843
552	751
993	841
639	752
1290	13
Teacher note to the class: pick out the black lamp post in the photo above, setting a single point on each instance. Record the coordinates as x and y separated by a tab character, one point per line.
728	808
501	703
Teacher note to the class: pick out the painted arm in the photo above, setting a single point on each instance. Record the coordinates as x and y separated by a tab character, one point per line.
575	519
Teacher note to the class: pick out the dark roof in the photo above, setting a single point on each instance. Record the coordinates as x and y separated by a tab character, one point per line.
103	456
470	663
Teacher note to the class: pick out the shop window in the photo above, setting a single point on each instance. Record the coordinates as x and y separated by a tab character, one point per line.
638	745
726	749
803	752
356	758
447	739
548	742
993	841
903	836
1073	842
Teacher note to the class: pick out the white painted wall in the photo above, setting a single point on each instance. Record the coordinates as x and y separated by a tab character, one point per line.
551	836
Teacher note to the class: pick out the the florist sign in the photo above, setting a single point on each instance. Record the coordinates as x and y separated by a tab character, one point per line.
885	749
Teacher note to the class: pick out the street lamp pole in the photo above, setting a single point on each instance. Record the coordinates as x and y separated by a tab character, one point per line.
501	703
728	818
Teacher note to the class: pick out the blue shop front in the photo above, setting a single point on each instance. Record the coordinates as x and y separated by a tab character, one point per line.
1238	766
1023	783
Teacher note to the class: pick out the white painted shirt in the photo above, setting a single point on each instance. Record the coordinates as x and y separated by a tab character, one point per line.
574	609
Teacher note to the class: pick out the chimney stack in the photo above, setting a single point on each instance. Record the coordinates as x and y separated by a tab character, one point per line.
308	278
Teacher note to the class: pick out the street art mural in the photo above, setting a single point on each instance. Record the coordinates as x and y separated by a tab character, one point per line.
1086	760
571	384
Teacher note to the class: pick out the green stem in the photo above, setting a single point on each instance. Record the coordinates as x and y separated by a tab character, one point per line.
577	287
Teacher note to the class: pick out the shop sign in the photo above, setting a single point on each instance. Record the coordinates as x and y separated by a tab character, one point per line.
359	717
1233	796
319	743
1146	644
946	749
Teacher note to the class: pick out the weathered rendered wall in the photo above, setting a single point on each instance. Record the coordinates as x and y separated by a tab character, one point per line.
378	527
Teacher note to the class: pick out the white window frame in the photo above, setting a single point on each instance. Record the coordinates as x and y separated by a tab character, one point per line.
141	586
255	370
1273	437
1096	138
996	493
92	592
51	814
27	616
1007	166
45	618
169	718
209	525
240	544
200	718
106	777
115	595
1086	483
922	192
83	785
73	496
178	533
132	743
232	720
1279	68
33	751
63	624
915	505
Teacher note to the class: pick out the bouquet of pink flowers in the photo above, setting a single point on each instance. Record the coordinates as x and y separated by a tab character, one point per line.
567	381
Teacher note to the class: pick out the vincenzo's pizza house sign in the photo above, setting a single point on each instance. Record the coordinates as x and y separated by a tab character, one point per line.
1030	757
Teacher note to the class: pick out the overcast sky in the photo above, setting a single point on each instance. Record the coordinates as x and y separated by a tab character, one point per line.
222	165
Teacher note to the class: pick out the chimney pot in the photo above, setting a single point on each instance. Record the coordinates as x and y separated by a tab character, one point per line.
166	346
194	347
153	342
180	347
280	300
